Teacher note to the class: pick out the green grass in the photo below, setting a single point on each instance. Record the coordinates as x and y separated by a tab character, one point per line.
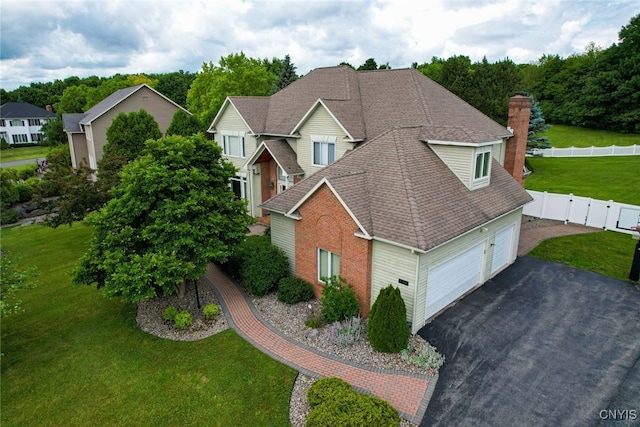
567	136
604	178
74	358
606	252
23	153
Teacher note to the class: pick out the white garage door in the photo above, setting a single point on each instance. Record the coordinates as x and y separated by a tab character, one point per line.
452	279
502	249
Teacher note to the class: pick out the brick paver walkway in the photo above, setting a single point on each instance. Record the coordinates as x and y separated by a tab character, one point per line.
530	238
407	392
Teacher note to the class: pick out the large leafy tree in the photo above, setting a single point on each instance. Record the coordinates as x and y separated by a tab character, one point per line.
175	86
126	137
12	280
128	132
171	215
235	75
184	124
54	133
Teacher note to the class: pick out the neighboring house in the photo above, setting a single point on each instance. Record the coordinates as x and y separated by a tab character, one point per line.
21	122
383	177
87	132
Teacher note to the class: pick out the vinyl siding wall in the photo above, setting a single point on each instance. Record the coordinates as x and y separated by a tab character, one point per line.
161	110
319	123
455	247
390	263
79	154
498	152
231	121
283	236
459	159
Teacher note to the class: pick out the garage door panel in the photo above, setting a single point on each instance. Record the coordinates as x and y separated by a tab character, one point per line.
452	279
502	249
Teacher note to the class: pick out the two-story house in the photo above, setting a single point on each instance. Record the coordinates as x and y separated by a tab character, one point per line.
383	177
87	132
21	122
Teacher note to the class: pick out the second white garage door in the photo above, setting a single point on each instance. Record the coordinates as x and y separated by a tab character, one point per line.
450	280
502	249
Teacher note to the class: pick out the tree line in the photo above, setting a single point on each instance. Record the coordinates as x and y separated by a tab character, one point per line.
598	89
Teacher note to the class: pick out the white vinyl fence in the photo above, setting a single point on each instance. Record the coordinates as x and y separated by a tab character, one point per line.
613	150
607	215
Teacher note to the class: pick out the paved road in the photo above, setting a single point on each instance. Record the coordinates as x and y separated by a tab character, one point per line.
21	162
541	344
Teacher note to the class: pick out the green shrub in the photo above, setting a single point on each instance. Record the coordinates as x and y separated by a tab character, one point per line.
8	216
169	313
314	322
263	268
4	145
183	320
292	290
427	358
335	403
242	252
27	171
25	192
388	329
210	311
339	300
325	389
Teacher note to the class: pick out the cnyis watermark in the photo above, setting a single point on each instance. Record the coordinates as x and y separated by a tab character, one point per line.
618	414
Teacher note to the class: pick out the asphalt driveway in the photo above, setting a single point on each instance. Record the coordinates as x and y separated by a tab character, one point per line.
541	344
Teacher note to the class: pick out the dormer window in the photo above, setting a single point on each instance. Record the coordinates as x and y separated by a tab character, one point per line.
324	150
483	163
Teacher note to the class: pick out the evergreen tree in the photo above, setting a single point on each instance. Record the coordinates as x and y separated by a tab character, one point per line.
287	75
388	329
537	126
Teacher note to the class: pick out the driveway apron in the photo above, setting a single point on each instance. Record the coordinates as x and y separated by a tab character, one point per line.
540	344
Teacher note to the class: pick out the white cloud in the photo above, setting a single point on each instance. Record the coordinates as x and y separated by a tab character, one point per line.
104	37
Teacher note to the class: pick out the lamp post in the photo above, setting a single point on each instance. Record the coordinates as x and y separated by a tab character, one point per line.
634	274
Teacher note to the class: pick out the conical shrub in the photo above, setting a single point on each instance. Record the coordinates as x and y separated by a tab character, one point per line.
388	329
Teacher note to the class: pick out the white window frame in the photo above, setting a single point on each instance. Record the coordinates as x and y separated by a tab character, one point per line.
34	122
16	122
326	144
332	259
243	185
229	138
20	138
284	181
482	164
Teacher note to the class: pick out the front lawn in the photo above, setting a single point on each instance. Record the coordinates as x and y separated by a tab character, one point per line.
23	153
74	358
603	178
562	136
606	252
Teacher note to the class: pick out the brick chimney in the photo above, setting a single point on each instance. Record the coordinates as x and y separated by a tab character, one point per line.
519	112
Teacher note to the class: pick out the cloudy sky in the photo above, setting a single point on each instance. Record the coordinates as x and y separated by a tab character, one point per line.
55	39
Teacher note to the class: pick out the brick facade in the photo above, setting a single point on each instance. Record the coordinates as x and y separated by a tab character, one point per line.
325	224
516	147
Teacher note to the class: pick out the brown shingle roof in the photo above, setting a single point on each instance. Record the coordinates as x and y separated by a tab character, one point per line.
253	109
400	190
284	155
368	103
